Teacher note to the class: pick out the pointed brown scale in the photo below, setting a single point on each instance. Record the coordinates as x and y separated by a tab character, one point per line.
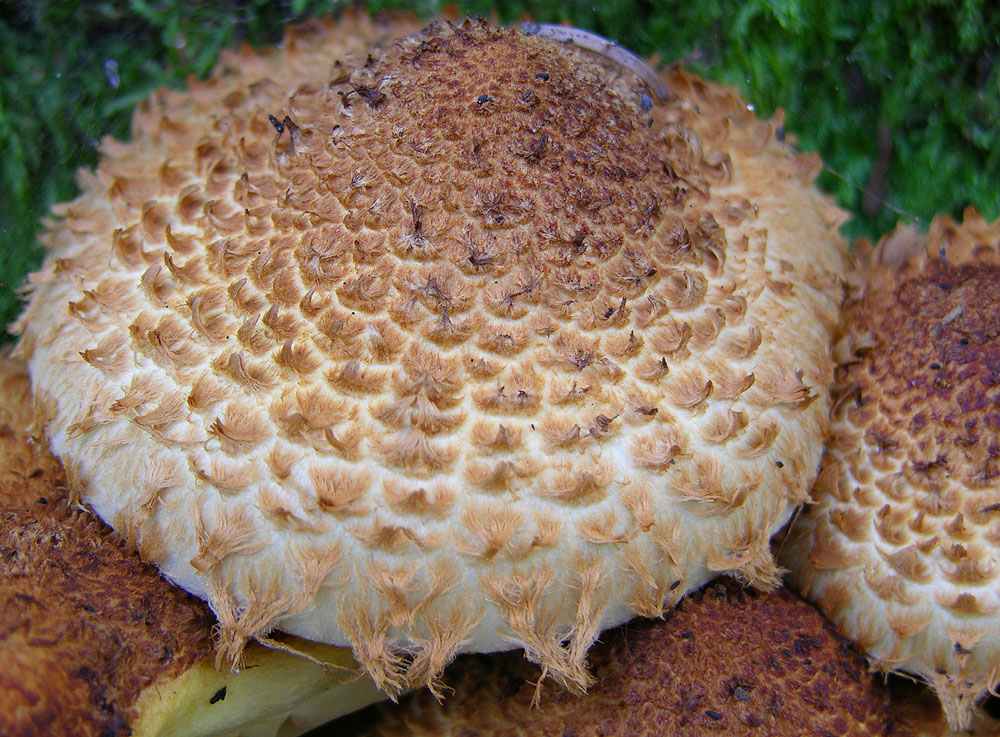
368	292
730	383
173	177
153	221
169	344
206	390
158	285
384	341
435	500
190	204
416	453
298	357
244	371
230	477
512	282
113	294
670	337
126	246
603	528
496	437
502	338
228	257
561	431
241	427
354	378
92	412
724	427
281	510
500	476
416	410
378	535
564	483
108	355
281	459
244	297
190	274
781	386
299	411
741	345
227	532
169	408
427	372
208	315
447	332
657	449
709	491
341	334
131	193
706	327
682	289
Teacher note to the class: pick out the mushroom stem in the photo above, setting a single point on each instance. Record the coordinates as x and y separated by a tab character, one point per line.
269	696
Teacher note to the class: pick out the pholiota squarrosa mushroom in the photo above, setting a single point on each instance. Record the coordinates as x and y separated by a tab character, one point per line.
901	547
472	342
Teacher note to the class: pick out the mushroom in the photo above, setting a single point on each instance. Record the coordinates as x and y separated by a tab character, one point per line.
901	547
463	345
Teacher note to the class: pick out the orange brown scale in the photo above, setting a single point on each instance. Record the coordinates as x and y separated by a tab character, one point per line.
511	322
901	547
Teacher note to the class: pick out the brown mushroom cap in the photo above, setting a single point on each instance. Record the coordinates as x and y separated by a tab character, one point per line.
726	661
463	347
902	547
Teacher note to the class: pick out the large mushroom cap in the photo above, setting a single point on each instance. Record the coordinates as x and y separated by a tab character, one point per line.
902	547
463	346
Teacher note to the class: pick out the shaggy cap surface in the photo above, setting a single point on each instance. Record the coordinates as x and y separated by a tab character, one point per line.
901	548
465	344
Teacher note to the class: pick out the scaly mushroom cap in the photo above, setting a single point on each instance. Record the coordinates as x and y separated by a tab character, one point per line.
468	347
901	549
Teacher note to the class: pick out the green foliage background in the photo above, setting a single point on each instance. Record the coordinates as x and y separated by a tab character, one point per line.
922	74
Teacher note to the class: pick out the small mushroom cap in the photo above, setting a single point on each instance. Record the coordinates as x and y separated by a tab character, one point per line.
726	661
461	345
902	546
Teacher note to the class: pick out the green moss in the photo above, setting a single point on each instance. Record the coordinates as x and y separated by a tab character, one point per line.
924	71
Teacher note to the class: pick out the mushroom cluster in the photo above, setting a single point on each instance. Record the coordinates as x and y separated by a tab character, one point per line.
481	340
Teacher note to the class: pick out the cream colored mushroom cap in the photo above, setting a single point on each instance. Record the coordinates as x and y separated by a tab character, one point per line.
902	547
465	345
